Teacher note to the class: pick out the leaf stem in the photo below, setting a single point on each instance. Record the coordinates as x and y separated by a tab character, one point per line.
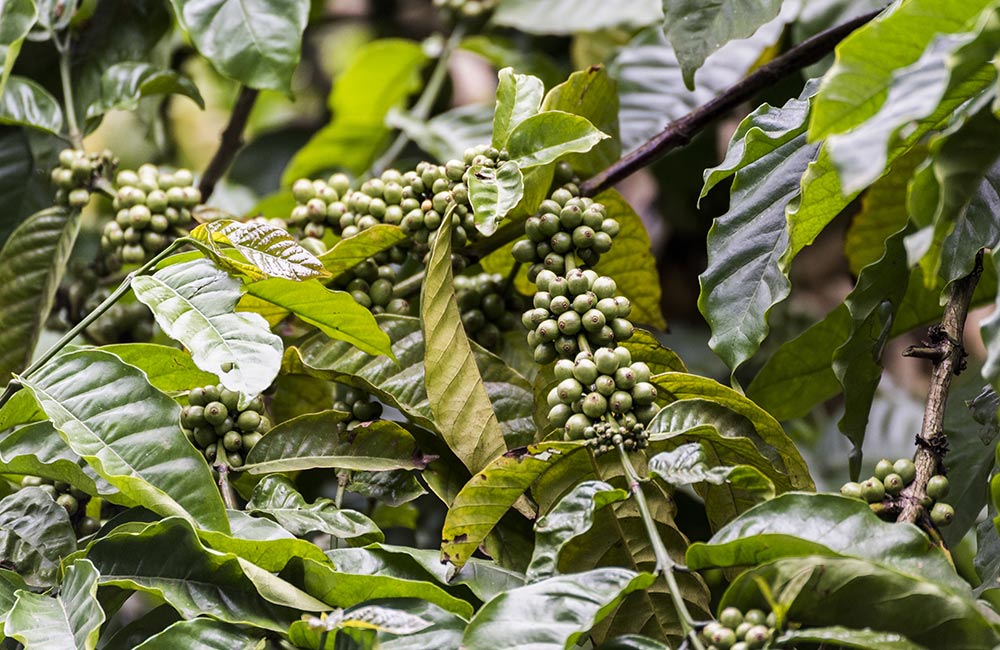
230	142
665	565
343	476
422	107
64	49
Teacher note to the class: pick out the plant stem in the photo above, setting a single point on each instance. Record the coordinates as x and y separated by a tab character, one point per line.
946	351
422	108
225	487
680	132
230	142
665	565
343	476
87	320
64	49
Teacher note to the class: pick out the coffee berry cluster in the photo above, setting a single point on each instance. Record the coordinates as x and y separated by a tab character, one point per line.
74	174
891	478
358	403
372	282
70	498
152	207
738	631
213	422
487	309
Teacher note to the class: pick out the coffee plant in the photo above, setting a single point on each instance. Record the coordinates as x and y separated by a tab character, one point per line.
309	342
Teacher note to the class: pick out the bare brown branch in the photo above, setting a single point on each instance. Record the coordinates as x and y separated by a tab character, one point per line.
230	143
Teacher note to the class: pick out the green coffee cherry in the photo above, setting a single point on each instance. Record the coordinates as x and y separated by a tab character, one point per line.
938	487
873	490
893	484
731	617
906	470
852	490
883	468
942	514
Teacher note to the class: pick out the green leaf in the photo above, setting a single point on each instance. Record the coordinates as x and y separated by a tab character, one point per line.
202	633
455	388
168	369
381	76
545	138
348	253
492	492
591	94
572	16
401	384
447	135
571	517
17	17
71	620
10	583
494	193
167	560
858	83
697	28
268	248
681	386
275	498
124	84
37	450
129	433
334	313
943	187
17	167
25	103
519	96
631	263
260	541
32	263
35	534
255	42
313	441
194	304
845	637
798	524
687	464
432	626
345	589
552	614
743	280
840	591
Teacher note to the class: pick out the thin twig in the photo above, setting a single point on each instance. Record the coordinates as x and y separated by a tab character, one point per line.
230	143
680	132
946	339
225	487
64	47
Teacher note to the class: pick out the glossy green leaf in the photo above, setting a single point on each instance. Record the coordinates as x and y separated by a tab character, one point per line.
447	135
202	633
571	16
418	625
552	614
255	42
798	524
841	590
631	263
482	578
972	230
124	84
26	103
345	589
519	96
743	280
32	263
275	498
592	94
313	441
268	248
382	75
545	138
194	304
633	642
858	83
643	346
393	488
10	583
17	17
687	464
17	166
492	492
37	450
166	559
846	637
334	313
401	383
69	621
348	253
680	386
572	516
943	187
494	192
455	388
168	369
129	433
696	28
260	541
22	408
35	534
